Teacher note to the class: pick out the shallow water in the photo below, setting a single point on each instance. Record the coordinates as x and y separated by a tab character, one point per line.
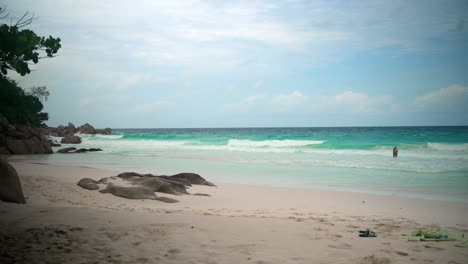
432	161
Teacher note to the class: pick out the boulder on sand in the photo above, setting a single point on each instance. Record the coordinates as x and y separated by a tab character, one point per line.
135	192
132	185
88	184
10	185
193	178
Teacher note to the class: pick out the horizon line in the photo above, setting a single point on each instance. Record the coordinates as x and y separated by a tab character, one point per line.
291	127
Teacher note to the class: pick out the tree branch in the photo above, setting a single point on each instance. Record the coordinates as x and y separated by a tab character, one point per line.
2	10
22	23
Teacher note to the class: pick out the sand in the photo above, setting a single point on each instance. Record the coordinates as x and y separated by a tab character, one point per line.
63	223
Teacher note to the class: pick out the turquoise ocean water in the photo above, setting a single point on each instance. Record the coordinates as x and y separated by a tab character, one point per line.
432	162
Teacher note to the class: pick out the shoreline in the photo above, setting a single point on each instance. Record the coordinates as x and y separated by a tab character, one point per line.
326	201
431	195
236	224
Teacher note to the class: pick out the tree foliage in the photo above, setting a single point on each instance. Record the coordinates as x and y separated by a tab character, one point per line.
19	48
19	107
40	92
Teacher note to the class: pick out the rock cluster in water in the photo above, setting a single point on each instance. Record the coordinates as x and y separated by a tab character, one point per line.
70	129
23	140
132	185
75	150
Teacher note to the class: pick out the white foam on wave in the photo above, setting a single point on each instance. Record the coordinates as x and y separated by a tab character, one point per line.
109	136
270	146
272	143
448	147
387	152
99	136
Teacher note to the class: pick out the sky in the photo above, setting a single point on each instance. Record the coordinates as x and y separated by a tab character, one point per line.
157	64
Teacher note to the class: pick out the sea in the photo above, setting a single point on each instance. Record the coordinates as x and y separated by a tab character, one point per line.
432	162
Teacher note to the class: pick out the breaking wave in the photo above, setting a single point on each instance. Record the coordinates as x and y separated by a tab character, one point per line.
272	143
448	147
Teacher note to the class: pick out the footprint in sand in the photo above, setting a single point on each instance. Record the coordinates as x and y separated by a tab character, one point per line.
372	259
174	251
401	253
341	246
142	260
434	248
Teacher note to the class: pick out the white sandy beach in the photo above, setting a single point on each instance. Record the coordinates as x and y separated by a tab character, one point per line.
63	223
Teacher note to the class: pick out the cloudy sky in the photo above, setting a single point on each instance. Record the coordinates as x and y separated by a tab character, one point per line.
152	63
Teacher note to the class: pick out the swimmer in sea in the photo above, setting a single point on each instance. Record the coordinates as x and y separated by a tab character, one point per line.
395	152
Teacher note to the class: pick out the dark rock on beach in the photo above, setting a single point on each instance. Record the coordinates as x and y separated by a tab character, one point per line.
129	192
22	140
155	183
144	186
180	180
10	185
88	184
193	178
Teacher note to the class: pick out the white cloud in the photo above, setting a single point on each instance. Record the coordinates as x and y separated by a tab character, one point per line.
351	101
345	102
453	98
246	105
126	82
112	47
108	100
285	102
151	107
258	85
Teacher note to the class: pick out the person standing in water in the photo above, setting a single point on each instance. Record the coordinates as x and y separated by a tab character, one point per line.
395	152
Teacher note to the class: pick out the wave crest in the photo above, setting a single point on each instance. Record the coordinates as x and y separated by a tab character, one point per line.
272	143
448	147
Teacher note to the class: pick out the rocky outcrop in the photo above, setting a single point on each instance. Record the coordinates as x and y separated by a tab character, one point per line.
71	129
89	129
53	143
71	139
22	140
3	124
10	186
60	131
132	185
